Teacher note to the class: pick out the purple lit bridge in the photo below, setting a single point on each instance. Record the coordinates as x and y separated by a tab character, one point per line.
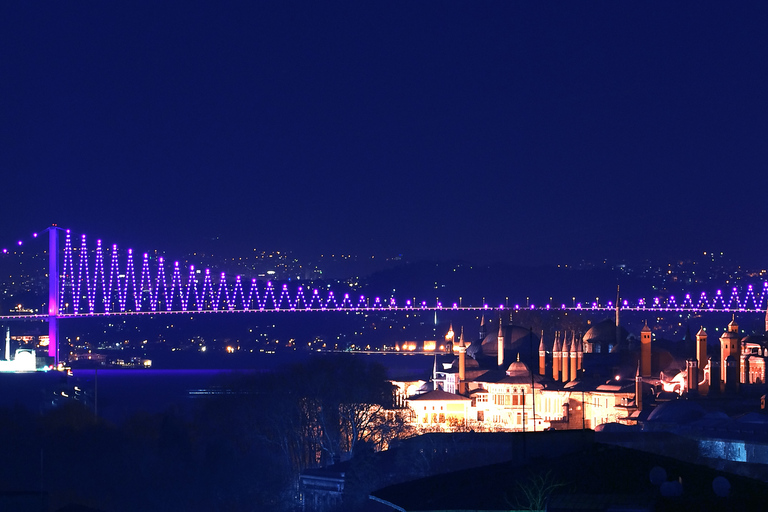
115	282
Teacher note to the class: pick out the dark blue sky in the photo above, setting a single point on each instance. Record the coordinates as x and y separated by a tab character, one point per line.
530	132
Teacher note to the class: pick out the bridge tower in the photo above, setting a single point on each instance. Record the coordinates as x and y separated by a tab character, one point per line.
53	293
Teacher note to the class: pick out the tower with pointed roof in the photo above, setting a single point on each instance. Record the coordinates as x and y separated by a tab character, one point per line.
744	366
462	363
542	356
701	347
692	376
573	357
556	357
638	389
715	382
645	351
730	346
565	365
434	373
701	359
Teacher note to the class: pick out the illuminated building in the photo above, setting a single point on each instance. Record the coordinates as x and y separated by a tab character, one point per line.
510	397
439	408
24	359
585	390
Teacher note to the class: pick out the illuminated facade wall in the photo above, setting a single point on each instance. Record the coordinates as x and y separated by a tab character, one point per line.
25	360
438	408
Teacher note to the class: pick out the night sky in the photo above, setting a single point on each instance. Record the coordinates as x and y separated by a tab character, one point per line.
524	132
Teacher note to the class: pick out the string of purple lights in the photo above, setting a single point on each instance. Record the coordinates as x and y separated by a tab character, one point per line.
105	288
91	289
96	291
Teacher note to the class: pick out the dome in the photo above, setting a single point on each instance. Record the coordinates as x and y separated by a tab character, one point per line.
605	332
757	339
678	412
518	369
516	339
614	427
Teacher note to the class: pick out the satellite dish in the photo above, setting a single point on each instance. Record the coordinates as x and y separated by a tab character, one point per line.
721	486
658	475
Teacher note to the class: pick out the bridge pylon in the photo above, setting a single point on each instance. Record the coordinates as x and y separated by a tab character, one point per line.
53	293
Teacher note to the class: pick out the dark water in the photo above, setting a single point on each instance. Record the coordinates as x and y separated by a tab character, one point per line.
114	394
119	393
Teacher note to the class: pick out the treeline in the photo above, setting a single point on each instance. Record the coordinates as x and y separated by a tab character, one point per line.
242	448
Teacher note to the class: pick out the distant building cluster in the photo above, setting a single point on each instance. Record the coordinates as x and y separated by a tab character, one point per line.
512	379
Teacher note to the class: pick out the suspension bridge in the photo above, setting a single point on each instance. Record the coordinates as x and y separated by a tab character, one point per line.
103	280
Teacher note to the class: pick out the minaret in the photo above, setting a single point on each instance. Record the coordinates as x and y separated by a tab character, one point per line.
714	376
731	374
730	345
434	373
542	356
701	347
500	341
556	356
692	380
462	355
744	373
565	365
701	359
7	343
645	351
482	328
638	389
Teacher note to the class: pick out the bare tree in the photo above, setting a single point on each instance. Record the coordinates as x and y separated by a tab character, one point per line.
533	493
